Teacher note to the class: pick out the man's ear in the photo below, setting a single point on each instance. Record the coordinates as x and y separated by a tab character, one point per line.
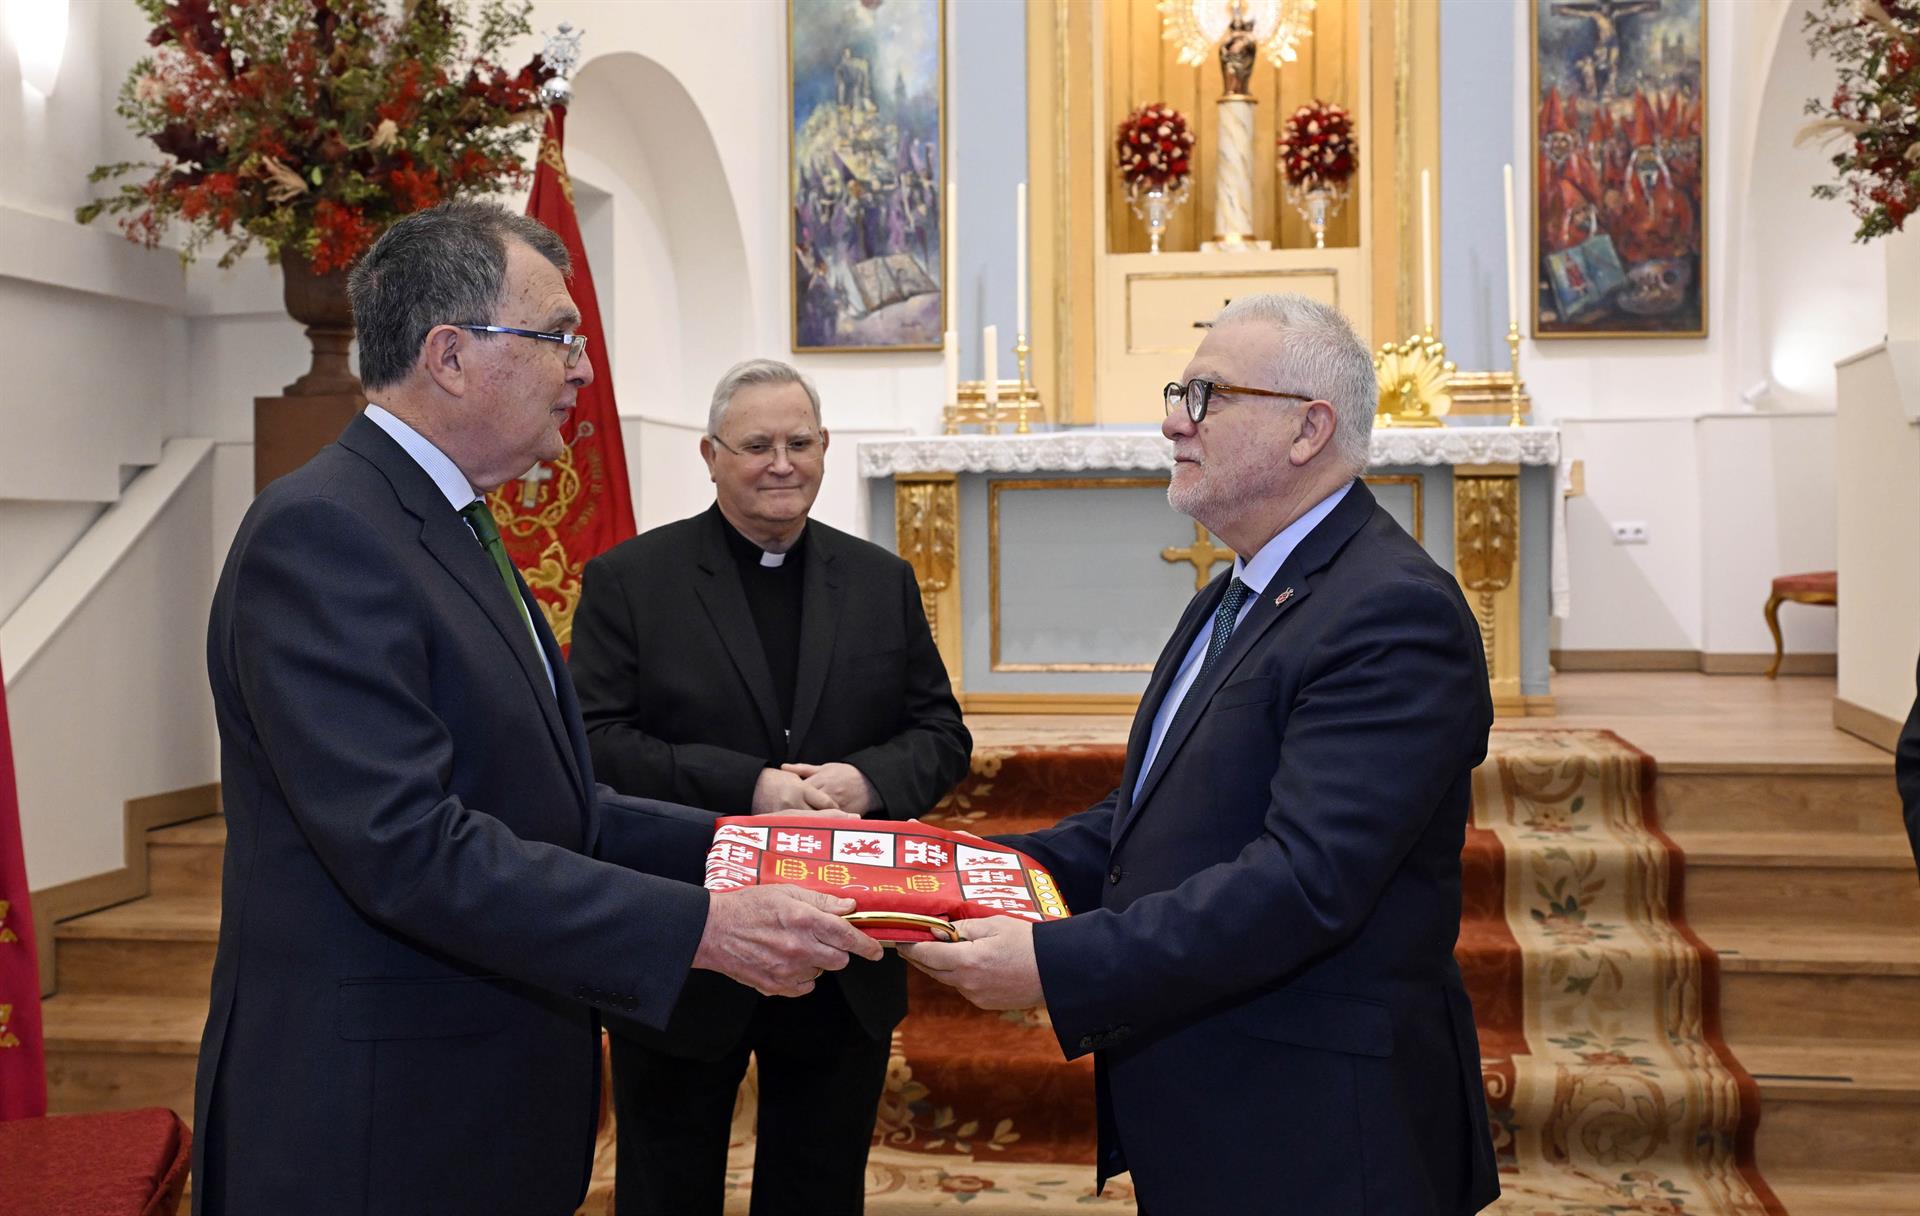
444	357
707	454
1316	431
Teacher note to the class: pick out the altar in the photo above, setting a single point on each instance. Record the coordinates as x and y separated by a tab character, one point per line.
1052	568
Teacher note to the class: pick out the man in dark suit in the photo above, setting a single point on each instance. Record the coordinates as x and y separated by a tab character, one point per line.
416	937
1906	772
748	659
1261	956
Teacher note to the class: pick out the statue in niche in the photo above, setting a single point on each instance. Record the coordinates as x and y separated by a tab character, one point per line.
1236	52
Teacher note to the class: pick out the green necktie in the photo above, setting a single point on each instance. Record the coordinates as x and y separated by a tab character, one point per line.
481	520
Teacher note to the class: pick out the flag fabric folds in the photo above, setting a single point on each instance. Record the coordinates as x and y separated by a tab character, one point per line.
564	512
23	1064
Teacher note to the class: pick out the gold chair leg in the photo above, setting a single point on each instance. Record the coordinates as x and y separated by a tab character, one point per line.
1773	623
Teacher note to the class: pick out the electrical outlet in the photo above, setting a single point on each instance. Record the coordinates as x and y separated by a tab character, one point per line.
1630	532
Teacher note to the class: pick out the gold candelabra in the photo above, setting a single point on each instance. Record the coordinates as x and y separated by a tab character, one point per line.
1516	418
1016	401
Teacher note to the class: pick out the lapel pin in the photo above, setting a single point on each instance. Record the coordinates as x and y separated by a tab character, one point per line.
1283	597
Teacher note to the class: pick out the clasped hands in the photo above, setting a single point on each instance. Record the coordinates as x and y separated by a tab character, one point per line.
827	789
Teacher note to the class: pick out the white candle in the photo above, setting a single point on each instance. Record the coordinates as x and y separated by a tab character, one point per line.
990	341
1020	258
1513	257
950	356
1426	248
950	233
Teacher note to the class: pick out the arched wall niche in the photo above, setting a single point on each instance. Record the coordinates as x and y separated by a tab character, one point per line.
675	282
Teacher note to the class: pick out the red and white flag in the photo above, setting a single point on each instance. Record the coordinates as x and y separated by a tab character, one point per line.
565	512
23	1064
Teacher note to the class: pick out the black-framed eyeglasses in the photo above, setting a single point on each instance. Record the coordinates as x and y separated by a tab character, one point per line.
1196	395
799	448
576	344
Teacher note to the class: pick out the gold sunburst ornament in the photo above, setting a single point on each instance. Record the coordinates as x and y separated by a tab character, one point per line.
1413	377
1197	26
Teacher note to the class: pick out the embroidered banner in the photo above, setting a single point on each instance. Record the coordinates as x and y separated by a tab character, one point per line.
23	1067
565	512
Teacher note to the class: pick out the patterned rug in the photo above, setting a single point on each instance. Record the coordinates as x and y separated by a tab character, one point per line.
1609	1086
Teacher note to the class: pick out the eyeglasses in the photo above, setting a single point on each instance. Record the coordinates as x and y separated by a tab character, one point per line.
1197	395
799	449
576	344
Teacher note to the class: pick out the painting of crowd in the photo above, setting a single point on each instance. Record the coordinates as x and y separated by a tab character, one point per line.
1620	184
866	186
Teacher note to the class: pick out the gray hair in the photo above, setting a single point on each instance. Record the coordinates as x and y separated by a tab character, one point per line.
1320	354
446	265
752	372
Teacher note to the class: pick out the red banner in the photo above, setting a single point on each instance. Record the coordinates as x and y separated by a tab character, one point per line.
23	1065
567	511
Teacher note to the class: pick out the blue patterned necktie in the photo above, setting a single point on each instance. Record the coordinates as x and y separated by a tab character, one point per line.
1224	619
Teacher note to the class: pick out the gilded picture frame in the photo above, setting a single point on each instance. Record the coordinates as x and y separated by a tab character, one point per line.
866	174
1619	168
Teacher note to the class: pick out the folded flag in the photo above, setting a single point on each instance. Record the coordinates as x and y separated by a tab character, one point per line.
909	880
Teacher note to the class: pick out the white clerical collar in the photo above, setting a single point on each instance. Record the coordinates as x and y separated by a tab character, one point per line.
772	559
1274	554
434	462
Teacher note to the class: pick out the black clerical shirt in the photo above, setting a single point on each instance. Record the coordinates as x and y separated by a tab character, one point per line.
773	597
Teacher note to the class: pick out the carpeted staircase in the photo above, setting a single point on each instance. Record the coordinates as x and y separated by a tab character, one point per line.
1614	1043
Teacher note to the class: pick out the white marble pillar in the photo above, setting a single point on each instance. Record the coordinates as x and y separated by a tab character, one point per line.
1233	175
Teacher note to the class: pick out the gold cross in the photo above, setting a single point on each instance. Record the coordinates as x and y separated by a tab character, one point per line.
1202	553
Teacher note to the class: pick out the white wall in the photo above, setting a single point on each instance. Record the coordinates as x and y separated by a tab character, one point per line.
1879	446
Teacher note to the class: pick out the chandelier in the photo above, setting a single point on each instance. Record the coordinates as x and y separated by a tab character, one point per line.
1197	26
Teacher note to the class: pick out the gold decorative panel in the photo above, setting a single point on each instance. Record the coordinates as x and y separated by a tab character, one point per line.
1486	560
926	522
1162	308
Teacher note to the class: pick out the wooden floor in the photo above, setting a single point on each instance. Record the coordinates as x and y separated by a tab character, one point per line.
1684	720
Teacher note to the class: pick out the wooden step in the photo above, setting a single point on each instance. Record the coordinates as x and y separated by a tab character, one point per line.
1790	879
1841	798
114	1052
185	859
1780	984
1836	1106
1824	1192
159	946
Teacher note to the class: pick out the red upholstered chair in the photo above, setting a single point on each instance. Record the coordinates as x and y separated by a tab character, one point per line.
1820	588
115	1163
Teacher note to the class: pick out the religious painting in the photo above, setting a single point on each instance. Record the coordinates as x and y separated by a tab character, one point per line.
1620	169
866	174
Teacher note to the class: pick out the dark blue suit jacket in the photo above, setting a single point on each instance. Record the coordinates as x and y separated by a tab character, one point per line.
1262	948
414	935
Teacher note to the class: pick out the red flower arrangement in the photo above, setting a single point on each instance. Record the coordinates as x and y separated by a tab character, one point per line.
1316	147
310	125
1876	109
1154	148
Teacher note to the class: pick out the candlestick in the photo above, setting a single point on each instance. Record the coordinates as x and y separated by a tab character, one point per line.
1513	259
1020	258
1426	249
990	340
1513	352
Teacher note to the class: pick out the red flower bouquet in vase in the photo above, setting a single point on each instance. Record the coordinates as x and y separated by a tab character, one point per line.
1317	159
310	126
1154	149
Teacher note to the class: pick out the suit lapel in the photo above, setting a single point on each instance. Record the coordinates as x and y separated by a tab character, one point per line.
1289	587
451	542
1199	610
820	605
725	599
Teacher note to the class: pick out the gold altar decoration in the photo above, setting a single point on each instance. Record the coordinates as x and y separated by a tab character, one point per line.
1416	380
1017	401
1203	553
1195	27
926	528
1486	556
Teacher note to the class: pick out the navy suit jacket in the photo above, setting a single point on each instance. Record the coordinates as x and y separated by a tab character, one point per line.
1906	771
1261	951
415	934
